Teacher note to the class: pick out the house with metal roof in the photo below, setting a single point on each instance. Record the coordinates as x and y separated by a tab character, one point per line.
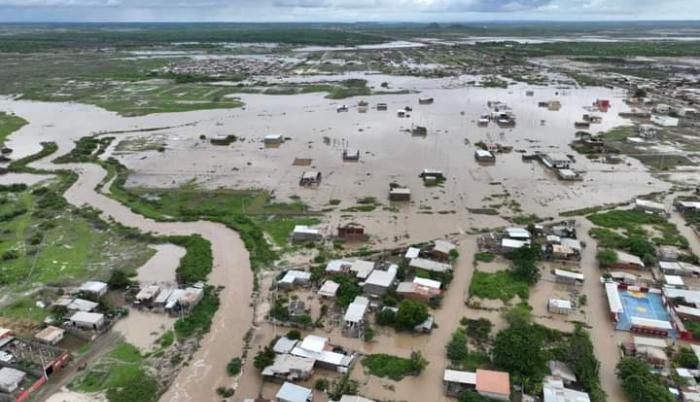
293	393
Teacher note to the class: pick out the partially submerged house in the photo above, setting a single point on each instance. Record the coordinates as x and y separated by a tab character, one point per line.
559	306
362	268
664	121
294	393
556	160
627	261
306	233
553	390
483	155
354	319
351	233
442	249
294	278
487	383
310	178
379	281
147	295
95	288
85	320
339	266
418	290
328	289
290	368
424	264
650	206
50	335
568	277
273	139
399	194
351	154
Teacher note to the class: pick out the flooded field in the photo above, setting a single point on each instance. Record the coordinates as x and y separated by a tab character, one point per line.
388	153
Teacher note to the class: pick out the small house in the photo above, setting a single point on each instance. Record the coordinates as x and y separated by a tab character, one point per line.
554	390
85	320
297	309
627	261
411	253
341	108
556	160
399	194
95	288
10	379
650	326
354	318
650	206
668	253
351	154
510	245
483	155
294	278
568	277
50	335
417	291
401	113
294	393
442	249
162	298
425	101
311	178
493	384
379	281
420	131
306	233
455	382
382	107
517	233
362	268
559	306
664	121
328	289
273	139
338	266
284	345
424	264
351	233
147	295
567	174
290	368
438	174
79	304
190	297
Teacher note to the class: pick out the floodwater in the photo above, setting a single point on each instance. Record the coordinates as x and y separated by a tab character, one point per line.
160	269
388	154
65	123
141	328
70	396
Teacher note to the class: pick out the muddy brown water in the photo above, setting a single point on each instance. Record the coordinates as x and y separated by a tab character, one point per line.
389	154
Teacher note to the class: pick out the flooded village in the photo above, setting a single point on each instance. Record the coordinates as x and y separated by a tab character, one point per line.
372	222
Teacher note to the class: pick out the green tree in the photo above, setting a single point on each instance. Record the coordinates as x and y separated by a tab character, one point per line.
640	384
518	350
234	366
456	348
264	358
386	317
417	362
524	263
606	257
519	316
118	279
411	313
686	358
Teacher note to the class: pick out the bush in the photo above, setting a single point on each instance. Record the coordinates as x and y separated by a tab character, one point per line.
456	348
686	358
479	330
321	384
294	334
118	279
386	317
606	257
199	320
264	358
484	257
393	367
640	384
410	314
225	392
503	285
234	366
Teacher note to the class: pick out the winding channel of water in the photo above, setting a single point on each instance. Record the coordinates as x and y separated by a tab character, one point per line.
231	271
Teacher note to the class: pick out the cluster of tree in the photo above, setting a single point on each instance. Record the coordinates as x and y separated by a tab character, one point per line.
524	263
640	384
409	314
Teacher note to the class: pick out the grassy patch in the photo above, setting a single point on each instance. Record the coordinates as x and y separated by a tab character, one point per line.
393	367
502	285
9	124
120	375
250	212
484	257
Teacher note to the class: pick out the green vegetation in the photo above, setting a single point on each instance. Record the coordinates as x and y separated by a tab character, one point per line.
606	257
410	314
685	358
234	367
264	358
523	263
9	123
86	149
456	349
484	257
503	285
198	322
250	212
167	339
120	375
640	384
393	367
615	49
635	239
197	262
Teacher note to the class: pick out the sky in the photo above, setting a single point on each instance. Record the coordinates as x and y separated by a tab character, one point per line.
343	10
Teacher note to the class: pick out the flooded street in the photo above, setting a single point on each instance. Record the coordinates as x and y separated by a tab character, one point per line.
388	153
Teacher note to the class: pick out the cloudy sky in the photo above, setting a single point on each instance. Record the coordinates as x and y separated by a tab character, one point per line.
344	10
